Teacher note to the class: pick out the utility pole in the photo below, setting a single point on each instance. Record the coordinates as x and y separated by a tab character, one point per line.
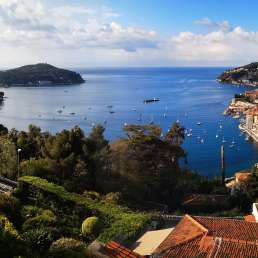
222	158
18	163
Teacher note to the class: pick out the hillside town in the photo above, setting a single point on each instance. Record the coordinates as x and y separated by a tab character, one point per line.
245	107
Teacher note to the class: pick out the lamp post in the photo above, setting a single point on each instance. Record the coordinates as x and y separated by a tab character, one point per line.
18	162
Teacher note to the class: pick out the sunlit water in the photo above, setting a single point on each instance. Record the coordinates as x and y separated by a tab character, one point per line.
190	95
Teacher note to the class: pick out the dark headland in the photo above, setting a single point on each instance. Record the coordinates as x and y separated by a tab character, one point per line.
243	75
41	74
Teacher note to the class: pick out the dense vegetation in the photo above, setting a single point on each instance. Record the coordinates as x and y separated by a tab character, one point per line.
31	75
241	74
74	188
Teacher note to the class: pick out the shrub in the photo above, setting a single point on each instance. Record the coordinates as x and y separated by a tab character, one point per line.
91	195
29	211
116	220
40	239
68	244
46	219
9	206
90	226
113	197
11	244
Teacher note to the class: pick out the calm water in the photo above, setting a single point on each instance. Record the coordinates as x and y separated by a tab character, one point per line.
186	94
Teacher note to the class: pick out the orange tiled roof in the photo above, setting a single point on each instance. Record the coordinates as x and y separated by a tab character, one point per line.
242	176
187	229
231	249
202	237
115	250
230	228
250	218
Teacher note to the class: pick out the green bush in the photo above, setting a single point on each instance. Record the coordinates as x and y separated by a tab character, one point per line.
46	219
11	243
91	226
9	206
68	244
91	195
112	197
29	211
40	239
116	220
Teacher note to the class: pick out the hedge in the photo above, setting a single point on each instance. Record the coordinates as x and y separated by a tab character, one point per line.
118	220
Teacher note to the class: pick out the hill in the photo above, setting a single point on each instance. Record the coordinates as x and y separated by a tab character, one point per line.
244	75
39	75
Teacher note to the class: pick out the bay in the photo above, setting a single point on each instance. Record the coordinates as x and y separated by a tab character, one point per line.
190	95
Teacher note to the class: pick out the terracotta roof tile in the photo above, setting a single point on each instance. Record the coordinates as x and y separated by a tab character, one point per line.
230	228
187	229
115	250
250	218
231	249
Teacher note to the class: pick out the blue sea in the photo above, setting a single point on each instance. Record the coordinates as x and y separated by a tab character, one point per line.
189	95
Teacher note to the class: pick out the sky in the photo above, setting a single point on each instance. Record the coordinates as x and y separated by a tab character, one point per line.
129	33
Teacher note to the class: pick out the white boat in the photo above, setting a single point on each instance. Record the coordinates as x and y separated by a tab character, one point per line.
198	123
133	109
202	140
217	136
223	140
164	115
140	117
59	111
220	126
247	138
189	135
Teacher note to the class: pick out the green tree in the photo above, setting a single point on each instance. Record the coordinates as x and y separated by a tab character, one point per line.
8	158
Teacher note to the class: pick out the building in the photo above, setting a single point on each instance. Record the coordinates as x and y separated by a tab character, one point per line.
239	181
202	237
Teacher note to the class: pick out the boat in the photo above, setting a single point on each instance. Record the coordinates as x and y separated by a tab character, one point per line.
85	118
146	101
164	115
223	140
217	136
133	109
59	111
247	138
236	116
63	107
140	117
109	106
72	113
198	123
220	126
111	112
152	120
202	140
189	135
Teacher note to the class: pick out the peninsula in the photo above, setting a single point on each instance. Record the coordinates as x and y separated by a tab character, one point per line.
41	74
246	75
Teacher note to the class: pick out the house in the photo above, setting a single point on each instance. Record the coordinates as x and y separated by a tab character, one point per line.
239	181
202	237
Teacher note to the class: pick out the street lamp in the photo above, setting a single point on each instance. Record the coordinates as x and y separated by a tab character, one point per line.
18	162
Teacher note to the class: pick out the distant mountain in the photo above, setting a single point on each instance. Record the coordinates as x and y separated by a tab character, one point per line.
245	75
39	75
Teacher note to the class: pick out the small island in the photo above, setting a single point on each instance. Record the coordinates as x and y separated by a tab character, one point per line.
41	74
244	75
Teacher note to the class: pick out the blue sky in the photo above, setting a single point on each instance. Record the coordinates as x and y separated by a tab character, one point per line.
129	32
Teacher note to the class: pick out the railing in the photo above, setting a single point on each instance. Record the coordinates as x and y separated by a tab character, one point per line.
7	185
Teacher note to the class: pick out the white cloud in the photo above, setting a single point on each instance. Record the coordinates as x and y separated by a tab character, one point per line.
80	35
32	23
223	25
